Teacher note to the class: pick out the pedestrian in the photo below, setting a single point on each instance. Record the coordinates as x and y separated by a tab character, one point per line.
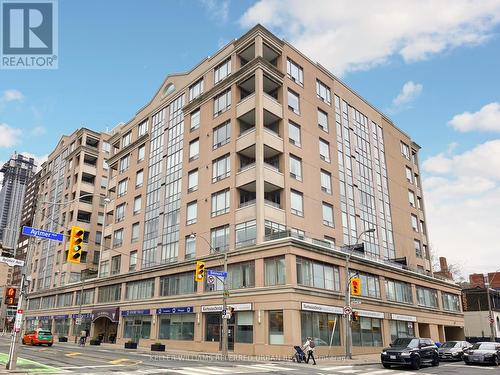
83	337
308	348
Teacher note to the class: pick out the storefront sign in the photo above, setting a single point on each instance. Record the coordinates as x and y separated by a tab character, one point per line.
60	317
237	307
31	318
136	312
48	317
405	318
370	314
112	313
83	315
321	308
175	310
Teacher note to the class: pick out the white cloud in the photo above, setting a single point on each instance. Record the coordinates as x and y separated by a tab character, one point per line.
347	36
218	9
486	119
409	93
38	131
462	196
12	95
9	136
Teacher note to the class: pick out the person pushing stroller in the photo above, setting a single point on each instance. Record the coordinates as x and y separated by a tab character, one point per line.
308	348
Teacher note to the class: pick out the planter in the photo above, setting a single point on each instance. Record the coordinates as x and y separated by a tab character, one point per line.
63	339
157	347
95	342
130	345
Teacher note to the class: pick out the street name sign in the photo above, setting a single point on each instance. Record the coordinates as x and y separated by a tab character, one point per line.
11	261
40	233
217	273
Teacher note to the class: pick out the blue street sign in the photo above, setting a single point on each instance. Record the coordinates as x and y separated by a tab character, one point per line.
175	310
217	273
34	232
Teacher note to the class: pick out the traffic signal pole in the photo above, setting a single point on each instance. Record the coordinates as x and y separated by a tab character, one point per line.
14	340
348	331
225	336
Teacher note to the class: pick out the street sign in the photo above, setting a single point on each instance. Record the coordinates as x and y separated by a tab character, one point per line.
347	310
210	279
78	321
217	273
19	320
40	233
11	261
355	301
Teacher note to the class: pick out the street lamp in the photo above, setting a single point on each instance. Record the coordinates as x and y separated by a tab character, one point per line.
224	299
348	346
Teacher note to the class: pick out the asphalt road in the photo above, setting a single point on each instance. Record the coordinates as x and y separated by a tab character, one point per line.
67	358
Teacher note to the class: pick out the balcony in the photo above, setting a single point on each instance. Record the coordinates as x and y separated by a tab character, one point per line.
245	140
108	230
245	105
246	175
273	212
247	211
273	140
272	105
112	184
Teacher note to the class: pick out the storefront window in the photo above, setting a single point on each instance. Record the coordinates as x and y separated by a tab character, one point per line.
275	271
276	327
138	327
319	326
45	324
177	327
244	326
241	322
366	332
86	323
61	327
401	329
212	326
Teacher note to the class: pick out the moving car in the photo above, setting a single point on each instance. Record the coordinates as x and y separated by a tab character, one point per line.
410	351
39	336
483	352
453	350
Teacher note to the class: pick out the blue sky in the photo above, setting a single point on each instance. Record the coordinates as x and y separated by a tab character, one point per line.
113	55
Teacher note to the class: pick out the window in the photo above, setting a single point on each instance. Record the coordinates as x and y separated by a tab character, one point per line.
322	120
110	293
177	326
137	327
409	175
295	167
297	206
190	251
140	152
135	232
427	297
193	180
294	133
222	71
98	237
419	202
327	214
317	275
326	182
295	72
405	150
414	157
142	128
246	233
141	289
418	248
124	163
240	275
104	269
367	332
401	328
126	139
271	228
276	335
451	302
220	238
318	325
221	168
222	135
195	119
411	198
88	297
324	150
194	149
104	182
274	271
139	178
118	238
370	284
323	92
220	202
191	213
398	291
105	165
120	213
417	182
293	101
422	227
196	89
115	264
222	102
122	187
132	265
414	222
180	283
137	204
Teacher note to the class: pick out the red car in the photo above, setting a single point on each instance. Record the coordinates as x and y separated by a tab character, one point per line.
39	336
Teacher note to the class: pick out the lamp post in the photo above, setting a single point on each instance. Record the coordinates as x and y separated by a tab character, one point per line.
348	346
224	300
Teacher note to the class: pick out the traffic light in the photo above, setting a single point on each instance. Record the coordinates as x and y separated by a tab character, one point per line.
200	271
354	316
230	311
356	286
10	296
75	244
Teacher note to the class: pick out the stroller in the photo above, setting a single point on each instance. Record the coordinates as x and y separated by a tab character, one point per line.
299	355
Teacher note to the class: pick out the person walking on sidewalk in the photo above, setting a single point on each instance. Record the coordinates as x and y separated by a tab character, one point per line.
308	348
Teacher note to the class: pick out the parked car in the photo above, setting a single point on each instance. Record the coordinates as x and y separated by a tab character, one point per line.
410	351
453	350
39	336
483	352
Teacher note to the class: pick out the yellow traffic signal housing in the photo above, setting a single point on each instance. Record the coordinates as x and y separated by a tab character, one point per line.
356	286
200	271
75	244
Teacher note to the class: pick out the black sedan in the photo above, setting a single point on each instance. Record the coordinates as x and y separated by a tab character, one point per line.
483	352
410	351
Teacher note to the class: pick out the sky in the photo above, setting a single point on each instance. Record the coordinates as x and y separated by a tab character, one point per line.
432	66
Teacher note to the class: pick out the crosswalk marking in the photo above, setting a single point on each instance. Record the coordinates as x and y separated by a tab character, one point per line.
350	371
72	354
380	372
267	367
336	368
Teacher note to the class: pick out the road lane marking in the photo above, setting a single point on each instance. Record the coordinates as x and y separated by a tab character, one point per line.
73	354
335	368
96	366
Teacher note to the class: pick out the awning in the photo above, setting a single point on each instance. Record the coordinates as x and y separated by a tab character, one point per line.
112	313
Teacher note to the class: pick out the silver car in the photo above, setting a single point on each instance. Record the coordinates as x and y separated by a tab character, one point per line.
453	350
